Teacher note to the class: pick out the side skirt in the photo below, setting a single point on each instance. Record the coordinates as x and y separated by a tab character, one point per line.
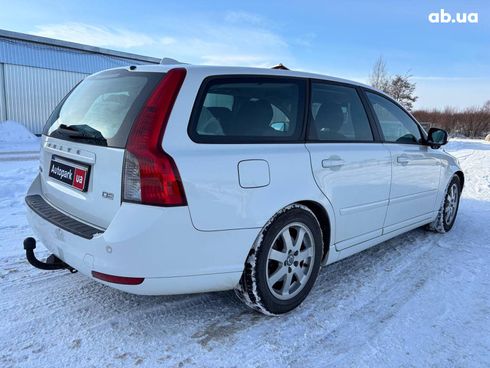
335	256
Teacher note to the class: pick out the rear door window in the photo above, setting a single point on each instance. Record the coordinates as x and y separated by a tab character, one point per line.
337	115
249	109
102	108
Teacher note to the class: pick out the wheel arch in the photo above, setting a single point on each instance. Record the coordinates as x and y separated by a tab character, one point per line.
460	175
321	214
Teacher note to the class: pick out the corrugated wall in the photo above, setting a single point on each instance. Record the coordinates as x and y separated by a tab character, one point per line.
52	57
3	111
36	74
32	93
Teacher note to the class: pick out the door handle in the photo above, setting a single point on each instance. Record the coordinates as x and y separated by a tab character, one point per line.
402	160
332	162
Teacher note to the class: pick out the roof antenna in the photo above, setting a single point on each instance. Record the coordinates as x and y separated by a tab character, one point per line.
280	66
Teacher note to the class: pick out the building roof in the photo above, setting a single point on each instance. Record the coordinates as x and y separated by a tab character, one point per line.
23	49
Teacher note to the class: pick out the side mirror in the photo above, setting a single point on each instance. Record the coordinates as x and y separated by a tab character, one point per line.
436	137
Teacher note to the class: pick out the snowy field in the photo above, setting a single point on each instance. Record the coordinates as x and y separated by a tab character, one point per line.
419	300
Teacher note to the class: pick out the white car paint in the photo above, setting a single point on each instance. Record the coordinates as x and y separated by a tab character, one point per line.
105	176
415	183
157	243
356	178
232	191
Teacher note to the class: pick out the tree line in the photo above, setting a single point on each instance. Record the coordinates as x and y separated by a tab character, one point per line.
472	122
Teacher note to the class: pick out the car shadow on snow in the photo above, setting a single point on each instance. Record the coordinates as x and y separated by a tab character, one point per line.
219	315
215	320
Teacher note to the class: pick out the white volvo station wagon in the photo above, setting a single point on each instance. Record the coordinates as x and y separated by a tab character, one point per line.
181	179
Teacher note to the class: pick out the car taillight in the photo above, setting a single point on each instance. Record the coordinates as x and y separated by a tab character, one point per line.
150	175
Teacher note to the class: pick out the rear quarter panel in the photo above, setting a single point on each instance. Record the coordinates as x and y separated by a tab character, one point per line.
210	174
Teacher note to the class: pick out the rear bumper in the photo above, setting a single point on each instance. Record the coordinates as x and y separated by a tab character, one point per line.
45	210
156	243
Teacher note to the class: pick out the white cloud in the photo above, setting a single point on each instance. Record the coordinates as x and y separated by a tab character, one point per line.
94	35
244	17
234	38
167	40
444	78
230	46
230	38
459	92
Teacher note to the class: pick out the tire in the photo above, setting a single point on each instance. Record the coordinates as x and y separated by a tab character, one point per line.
280	270
449	208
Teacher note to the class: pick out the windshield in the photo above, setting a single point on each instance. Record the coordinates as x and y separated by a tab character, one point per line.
102	108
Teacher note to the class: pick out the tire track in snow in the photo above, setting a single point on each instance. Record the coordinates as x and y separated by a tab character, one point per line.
420	299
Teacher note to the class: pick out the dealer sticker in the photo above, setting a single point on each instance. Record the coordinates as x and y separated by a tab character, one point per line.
74	174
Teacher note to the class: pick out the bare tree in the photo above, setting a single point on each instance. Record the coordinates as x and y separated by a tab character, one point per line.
486	106
402	90
470	122
398	86
379	77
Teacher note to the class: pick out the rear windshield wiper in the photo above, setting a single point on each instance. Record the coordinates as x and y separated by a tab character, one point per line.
81	132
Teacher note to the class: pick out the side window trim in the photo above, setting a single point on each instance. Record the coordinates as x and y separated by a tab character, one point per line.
376	120
201	94
373	121
307	112
309	116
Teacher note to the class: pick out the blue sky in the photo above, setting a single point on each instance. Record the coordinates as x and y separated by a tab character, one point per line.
449	62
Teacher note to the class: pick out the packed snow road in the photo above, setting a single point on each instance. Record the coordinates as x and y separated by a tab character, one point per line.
421	299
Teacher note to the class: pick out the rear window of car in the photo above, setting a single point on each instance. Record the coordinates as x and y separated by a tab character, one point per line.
248	110
102	108
337	115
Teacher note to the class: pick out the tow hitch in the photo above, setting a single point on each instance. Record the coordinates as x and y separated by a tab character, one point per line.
52	262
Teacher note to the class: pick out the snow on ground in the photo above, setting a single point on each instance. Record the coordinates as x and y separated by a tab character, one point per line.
421	299
26	144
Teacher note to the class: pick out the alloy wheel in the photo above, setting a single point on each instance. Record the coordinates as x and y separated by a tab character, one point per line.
452	198
290	261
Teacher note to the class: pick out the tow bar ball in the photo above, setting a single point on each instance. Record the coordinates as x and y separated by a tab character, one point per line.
29	243
52	262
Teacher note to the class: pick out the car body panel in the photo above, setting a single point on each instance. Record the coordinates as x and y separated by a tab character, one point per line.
105	177
216	199
357	184
162	245
415	183
232	191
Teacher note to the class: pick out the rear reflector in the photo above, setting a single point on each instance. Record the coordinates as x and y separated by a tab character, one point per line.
150	174
118	279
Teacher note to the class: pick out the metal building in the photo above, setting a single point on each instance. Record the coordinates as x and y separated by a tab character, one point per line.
37	72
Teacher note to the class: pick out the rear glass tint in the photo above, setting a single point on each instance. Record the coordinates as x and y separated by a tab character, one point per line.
248	110
337	115
102	108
